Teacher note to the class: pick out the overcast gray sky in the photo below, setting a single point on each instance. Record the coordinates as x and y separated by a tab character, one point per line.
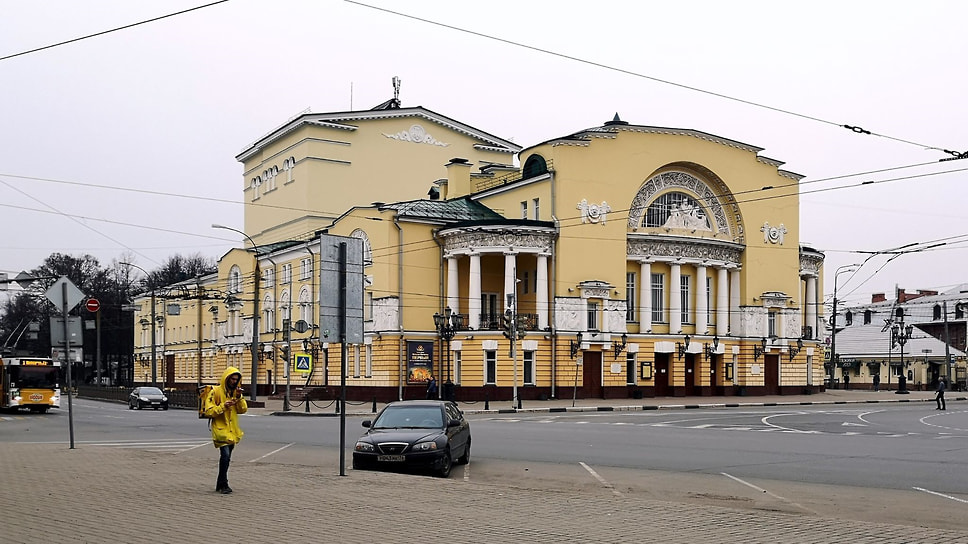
161	109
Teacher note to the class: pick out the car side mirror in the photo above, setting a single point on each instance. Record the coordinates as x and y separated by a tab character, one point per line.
453	423
367	423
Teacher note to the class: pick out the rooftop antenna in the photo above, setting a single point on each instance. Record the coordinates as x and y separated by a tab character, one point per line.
351	96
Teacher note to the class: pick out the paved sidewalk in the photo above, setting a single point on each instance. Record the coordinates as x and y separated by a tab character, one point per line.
102	494
831	396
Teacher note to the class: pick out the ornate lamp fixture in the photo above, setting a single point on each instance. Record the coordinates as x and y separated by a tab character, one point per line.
575	346
795	350
620	347
711	350
759	350
683	347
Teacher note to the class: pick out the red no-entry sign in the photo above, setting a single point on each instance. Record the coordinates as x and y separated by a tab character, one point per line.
92	305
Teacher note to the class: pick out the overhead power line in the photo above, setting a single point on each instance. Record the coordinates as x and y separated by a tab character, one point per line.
852	128
103	32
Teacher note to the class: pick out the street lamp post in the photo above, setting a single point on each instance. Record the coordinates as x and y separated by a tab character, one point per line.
901	334
154	324
447	325
254	350
833	323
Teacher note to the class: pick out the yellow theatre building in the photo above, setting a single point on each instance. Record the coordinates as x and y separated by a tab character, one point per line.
635	261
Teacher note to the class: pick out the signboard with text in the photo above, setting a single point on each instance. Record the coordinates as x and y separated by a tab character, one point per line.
420	362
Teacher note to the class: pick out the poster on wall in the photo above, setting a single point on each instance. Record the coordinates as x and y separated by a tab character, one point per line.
420	362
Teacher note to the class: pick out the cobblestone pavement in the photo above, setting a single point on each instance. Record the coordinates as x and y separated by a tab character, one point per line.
98	494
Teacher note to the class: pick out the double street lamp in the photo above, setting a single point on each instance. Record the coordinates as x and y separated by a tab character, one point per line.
254	348
447	325
900	334
154	324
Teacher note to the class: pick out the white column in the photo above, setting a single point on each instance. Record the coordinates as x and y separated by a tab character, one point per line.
474	292
675	298
453	287
702	319
722	302
810	303
541	295
510	262
645	297
734	317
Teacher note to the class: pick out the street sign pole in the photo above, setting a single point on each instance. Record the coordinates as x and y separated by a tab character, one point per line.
67	357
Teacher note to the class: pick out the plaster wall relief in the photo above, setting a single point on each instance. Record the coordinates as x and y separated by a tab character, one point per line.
713	216
614	317
594	213
568	313
386	314
810	264
594	289
645	246
792	325
527	241
416	134
773	234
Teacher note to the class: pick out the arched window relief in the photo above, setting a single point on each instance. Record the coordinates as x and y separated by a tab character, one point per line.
534	166
367	249
677	211
305	305
235	280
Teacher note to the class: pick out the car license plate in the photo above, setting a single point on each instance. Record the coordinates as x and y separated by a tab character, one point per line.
390	458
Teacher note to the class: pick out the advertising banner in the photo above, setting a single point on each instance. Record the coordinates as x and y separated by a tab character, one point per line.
420	362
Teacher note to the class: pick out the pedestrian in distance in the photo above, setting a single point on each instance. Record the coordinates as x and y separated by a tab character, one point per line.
877	382
222	407
432	388
846	381
939	397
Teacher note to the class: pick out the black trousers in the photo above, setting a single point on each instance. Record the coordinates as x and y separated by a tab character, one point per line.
940	400
224	459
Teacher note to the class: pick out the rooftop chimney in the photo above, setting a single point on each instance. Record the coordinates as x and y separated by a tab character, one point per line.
458	182
878	297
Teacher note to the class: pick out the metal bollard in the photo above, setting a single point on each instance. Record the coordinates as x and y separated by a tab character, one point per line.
374	404
336	402
308	402
487	405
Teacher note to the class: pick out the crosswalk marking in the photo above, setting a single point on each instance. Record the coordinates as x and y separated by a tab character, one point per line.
173	446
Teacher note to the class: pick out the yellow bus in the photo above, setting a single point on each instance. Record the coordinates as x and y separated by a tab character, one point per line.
31	383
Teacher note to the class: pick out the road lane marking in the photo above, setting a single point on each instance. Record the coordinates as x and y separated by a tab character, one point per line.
939	494
601	480
271	452
775	496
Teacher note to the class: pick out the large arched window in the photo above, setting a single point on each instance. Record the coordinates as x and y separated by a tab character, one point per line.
235	280
534	166
676	210
367	249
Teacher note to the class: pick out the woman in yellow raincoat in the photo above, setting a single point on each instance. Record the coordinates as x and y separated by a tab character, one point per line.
222	407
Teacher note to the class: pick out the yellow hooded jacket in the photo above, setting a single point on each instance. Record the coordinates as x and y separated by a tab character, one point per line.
225	420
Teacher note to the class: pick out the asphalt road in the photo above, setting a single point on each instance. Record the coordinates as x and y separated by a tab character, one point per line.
900	463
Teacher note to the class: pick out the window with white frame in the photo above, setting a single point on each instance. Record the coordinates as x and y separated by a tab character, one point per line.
529	367
287	166
306	269
630	368
305	306
535	213
658	298
285	307
630	279
592	316
490	367
268	277
684	292
256	186
771	323
457	364
524	209
287	273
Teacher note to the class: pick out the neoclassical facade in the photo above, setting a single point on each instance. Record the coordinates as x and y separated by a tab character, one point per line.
634	261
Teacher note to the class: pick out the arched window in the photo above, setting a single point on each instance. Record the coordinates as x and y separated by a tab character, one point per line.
676	210
937	311
867	317
848	318
534	166
284	305
305	306
367	249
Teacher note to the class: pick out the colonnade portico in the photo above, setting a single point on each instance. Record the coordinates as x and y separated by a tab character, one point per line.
459	243
726	299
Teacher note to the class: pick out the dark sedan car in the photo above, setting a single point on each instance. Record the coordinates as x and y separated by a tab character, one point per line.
142	397
415	434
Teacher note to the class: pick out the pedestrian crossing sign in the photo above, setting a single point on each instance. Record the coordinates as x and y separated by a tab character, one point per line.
303	362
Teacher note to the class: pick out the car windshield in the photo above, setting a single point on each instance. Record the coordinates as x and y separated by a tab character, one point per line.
149	391
414	417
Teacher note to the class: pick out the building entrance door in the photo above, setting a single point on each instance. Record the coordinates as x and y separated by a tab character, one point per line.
690	369
169	371
661	374
771	374
592	374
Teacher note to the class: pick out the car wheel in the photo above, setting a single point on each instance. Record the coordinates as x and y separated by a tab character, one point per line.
357	465
466	458
446	463
130	406
140	407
